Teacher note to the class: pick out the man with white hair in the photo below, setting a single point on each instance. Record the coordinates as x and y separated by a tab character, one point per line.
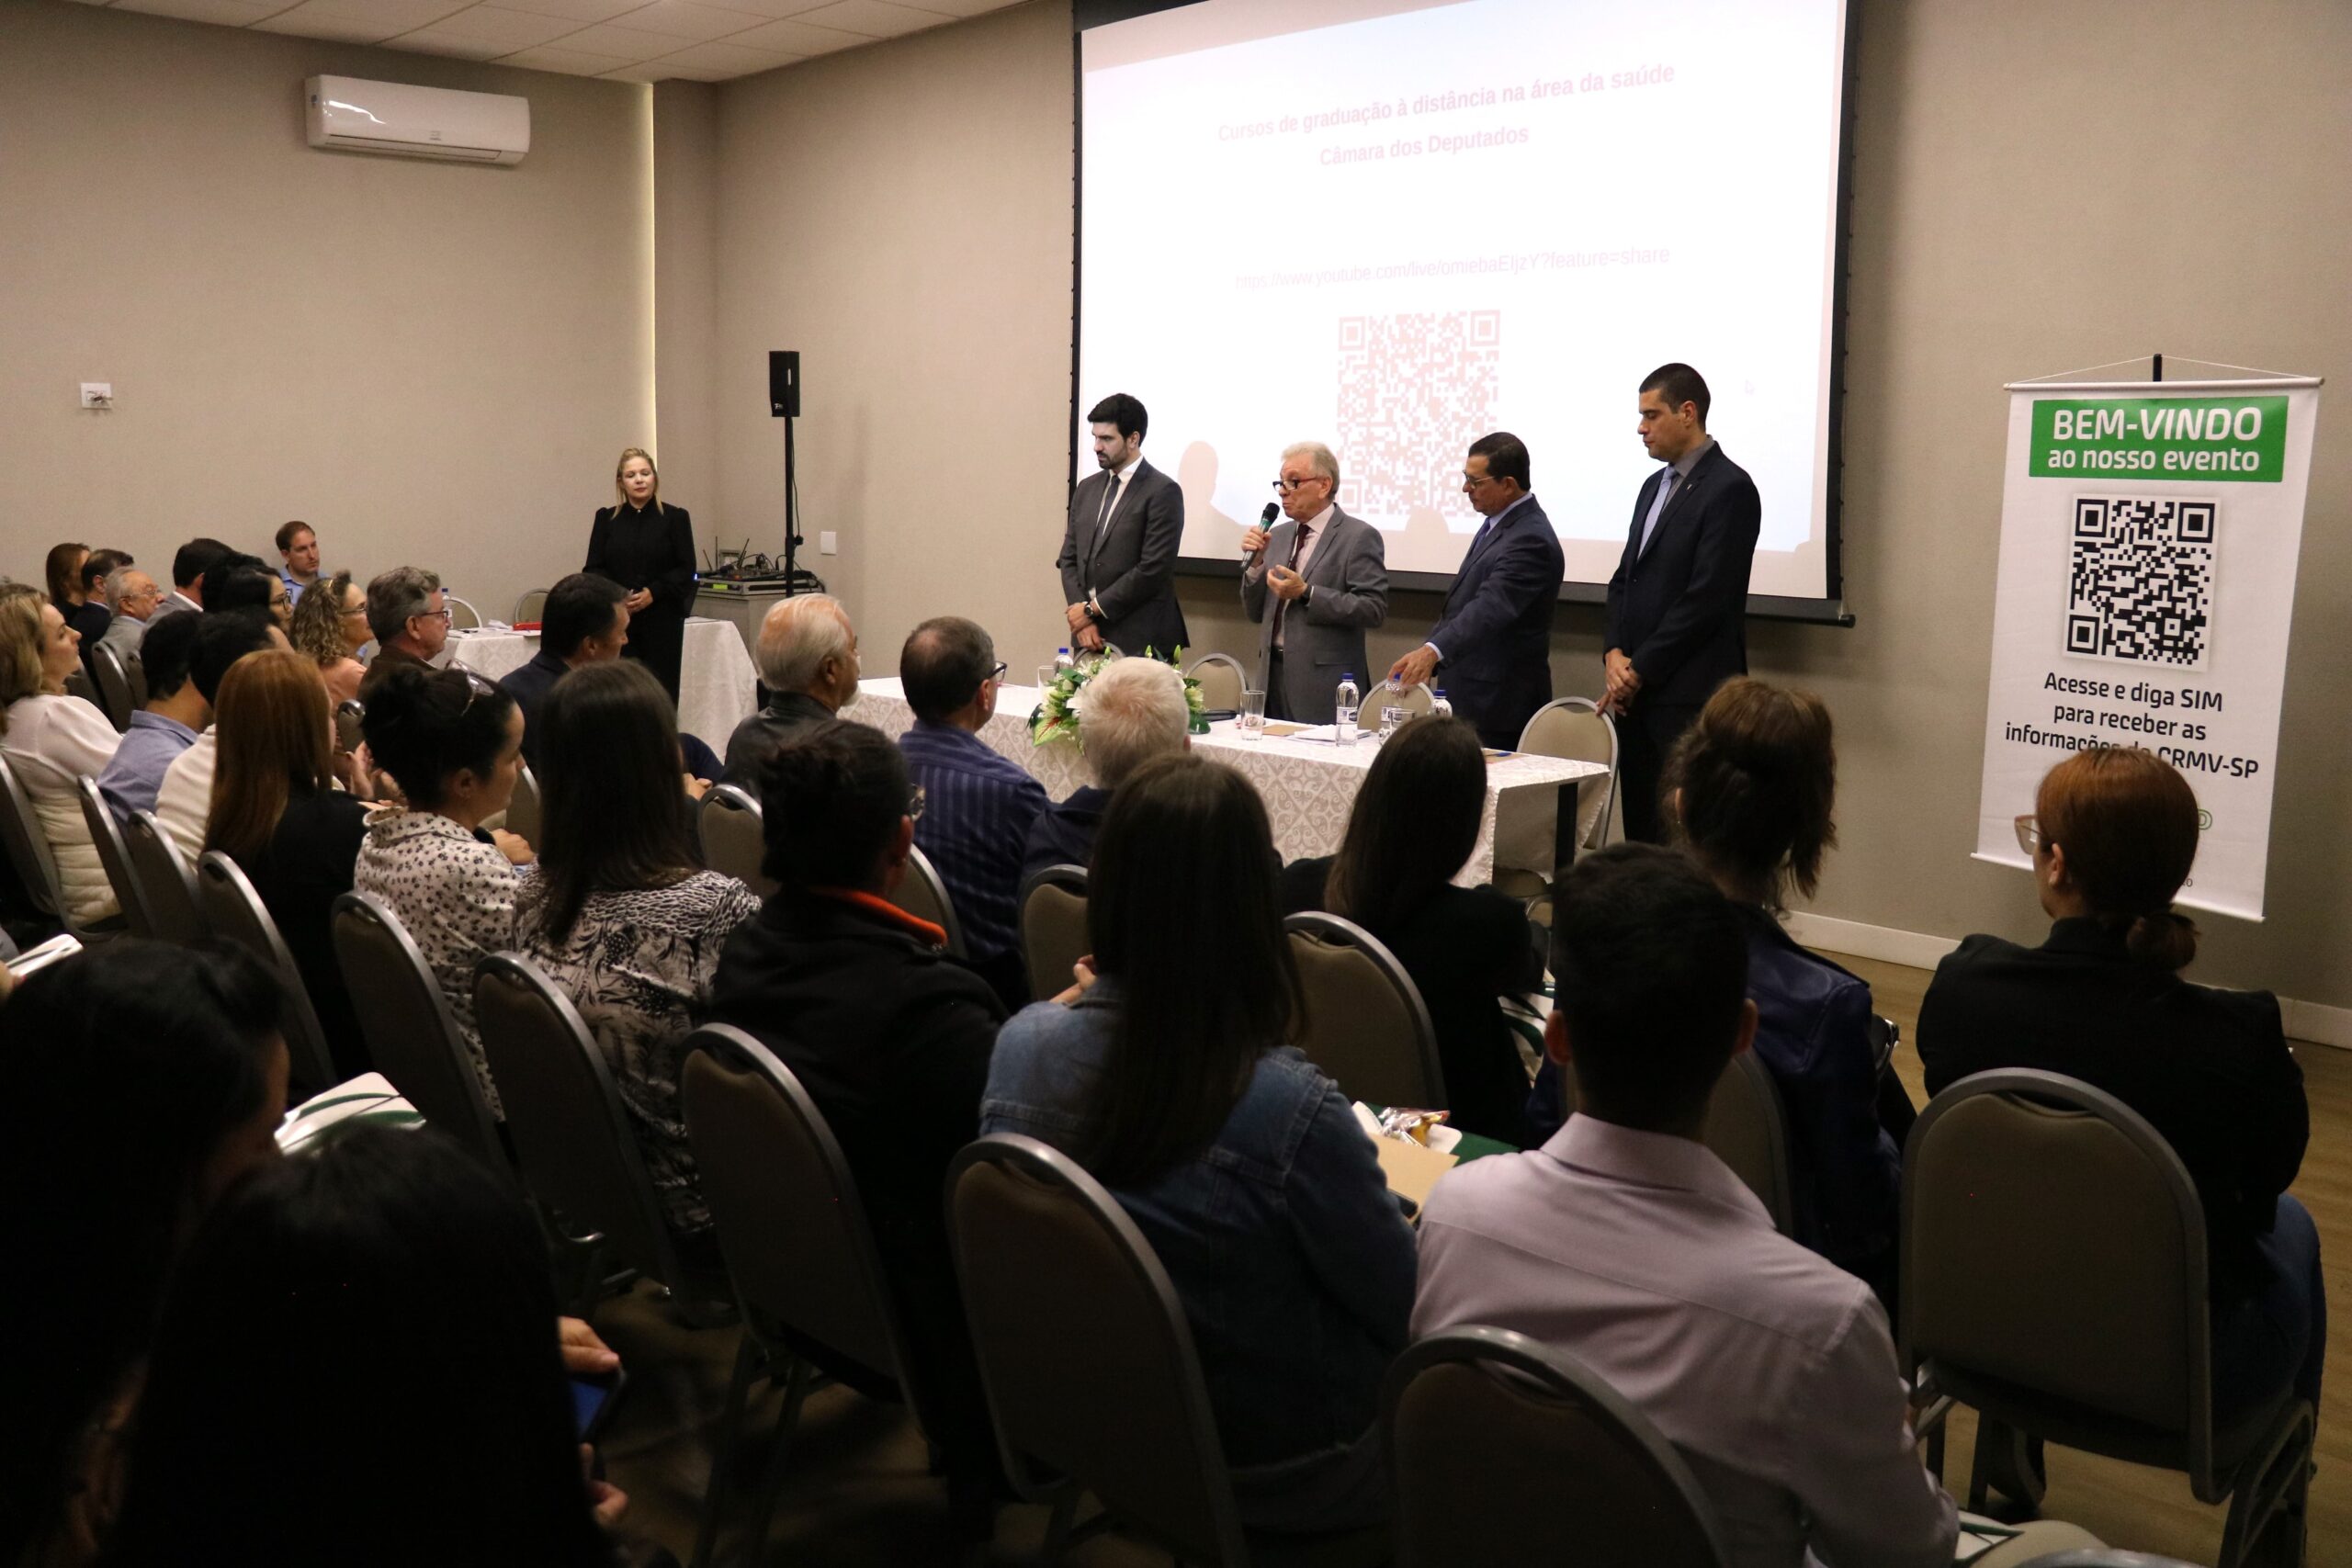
1315	583
807	660
1131	711
133	595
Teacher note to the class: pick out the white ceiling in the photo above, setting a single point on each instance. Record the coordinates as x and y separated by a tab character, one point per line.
622	40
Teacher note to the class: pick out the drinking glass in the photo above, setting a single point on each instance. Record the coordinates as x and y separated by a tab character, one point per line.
1249	723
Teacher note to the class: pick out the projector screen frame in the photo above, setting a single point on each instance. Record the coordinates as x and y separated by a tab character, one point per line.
1829	610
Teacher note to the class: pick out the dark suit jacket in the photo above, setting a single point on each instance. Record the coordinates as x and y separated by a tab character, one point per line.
306	865
529	684
1131	564
1347	579
1680	608
2208	1069
1495	631
1063	833
756	738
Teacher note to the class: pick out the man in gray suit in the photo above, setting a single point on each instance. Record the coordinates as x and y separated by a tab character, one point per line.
1118	560
1328	582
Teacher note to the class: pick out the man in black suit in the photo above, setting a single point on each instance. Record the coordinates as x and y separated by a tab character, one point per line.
1118	558
1677	602
1493	638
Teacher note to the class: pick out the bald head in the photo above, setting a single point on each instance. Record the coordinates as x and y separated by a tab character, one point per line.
806	645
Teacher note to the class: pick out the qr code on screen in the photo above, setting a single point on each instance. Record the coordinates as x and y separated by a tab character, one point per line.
2140	582
1415	391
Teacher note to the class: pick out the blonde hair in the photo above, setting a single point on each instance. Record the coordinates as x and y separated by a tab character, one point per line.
20	636
619	493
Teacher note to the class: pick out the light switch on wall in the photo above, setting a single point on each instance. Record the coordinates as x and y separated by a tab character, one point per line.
828	543
97	394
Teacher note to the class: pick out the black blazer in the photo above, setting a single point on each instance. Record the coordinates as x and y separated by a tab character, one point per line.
2208	1069
1495	632
306	865
1131	564
646	549
1680	608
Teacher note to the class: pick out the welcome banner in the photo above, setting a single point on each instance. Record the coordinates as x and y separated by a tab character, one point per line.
2149	535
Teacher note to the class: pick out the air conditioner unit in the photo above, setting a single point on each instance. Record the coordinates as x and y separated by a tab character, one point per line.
417	122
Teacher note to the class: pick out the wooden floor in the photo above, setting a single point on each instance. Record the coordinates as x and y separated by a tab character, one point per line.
860	1495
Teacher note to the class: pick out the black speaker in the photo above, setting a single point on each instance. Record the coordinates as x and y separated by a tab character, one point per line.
784	383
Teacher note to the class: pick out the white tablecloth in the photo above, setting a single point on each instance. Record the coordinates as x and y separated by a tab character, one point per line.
716	686
1309	788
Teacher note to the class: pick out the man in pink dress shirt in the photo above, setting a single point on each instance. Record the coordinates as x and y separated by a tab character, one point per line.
1625	1243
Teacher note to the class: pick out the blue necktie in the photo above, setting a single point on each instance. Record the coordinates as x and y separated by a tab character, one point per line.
1658	509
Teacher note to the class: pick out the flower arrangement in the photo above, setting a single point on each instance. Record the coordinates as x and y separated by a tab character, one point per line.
1060	714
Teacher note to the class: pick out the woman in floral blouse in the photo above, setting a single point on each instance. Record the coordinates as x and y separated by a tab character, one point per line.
618	916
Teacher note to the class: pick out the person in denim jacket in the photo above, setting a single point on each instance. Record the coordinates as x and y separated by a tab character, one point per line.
1239	1161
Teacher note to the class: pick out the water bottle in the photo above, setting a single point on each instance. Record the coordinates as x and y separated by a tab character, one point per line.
1062	662
1344	716
1439	705
1392	712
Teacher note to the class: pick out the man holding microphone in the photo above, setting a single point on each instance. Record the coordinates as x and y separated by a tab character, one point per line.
1316	582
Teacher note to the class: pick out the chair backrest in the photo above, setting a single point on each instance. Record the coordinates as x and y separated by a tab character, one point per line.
2104	1557
734	839
571	1135
2053	1240
1468	1415
799	1247
1053	927
348	716
1415	701
114	685
409	1030
1222	681
523	806
1366	1024
1083	1346
529	607
922	895
27	844
230	906
1749	1130
79	684
115	855
463	616
165	880
1575	728
135	669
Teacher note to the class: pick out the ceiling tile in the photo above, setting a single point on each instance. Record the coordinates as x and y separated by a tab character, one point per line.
495	27
581	11
777	8
355	18
231	13
967	7
685	19
432	40
874	18
336	27
798	38
620	46
571	62
649	73
717	62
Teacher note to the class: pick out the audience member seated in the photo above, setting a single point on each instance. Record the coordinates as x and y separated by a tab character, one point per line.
184	800
890	1039
1413	825
331	628
298	548
1750	789
618	915
1624	1242
1130	711
454	744
354	1366
143	1081
67	593
277	814
133	600
51	739
411	622
1241	1164
175	714
240	582
584	622
91	616
808	659
978	806
189	564
2112	836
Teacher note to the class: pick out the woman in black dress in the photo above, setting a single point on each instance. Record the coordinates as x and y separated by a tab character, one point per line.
648	548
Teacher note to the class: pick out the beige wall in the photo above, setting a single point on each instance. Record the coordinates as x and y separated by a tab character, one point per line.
431	361
2035	188
685	281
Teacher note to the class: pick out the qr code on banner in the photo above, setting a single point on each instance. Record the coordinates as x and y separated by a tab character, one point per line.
1415	391
2141	579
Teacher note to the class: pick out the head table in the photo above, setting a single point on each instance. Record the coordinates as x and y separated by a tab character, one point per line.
1309	786
715	676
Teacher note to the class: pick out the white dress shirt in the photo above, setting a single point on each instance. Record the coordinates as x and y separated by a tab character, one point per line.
185	802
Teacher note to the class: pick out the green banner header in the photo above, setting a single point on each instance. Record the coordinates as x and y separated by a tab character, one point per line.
2197	439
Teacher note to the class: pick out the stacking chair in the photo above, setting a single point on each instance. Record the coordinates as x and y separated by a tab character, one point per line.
574	1144
1222	681
27	846
135	669
734	839
2102	1557
1092	1380
1746	1128
231	907
1053	927
1366	1025
79	684
1468	1415
1576	730
166	880
2054	1281
1415	701
411	1036
799	1252
922	895
463	616
115	855
523	808
114	687
348	715
529	607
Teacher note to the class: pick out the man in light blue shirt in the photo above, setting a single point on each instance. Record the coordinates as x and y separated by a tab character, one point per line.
166	727
297	546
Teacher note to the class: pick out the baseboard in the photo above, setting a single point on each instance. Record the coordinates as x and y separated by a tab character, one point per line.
2313	1022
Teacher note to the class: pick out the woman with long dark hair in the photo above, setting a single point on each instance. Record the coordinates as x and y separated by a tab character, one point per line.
1413	825
1170	1081
620	916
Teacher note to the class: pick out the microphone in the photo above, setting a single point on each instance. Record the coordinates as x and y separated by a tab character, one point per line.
1265	520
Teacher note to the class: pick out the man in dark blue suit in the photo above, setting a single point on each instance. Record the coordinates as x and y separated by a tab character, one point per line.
1493	638
1678	602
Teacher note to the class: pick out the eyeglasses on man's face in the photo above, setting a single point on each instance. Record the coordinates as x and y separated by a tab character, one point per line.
1286	484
